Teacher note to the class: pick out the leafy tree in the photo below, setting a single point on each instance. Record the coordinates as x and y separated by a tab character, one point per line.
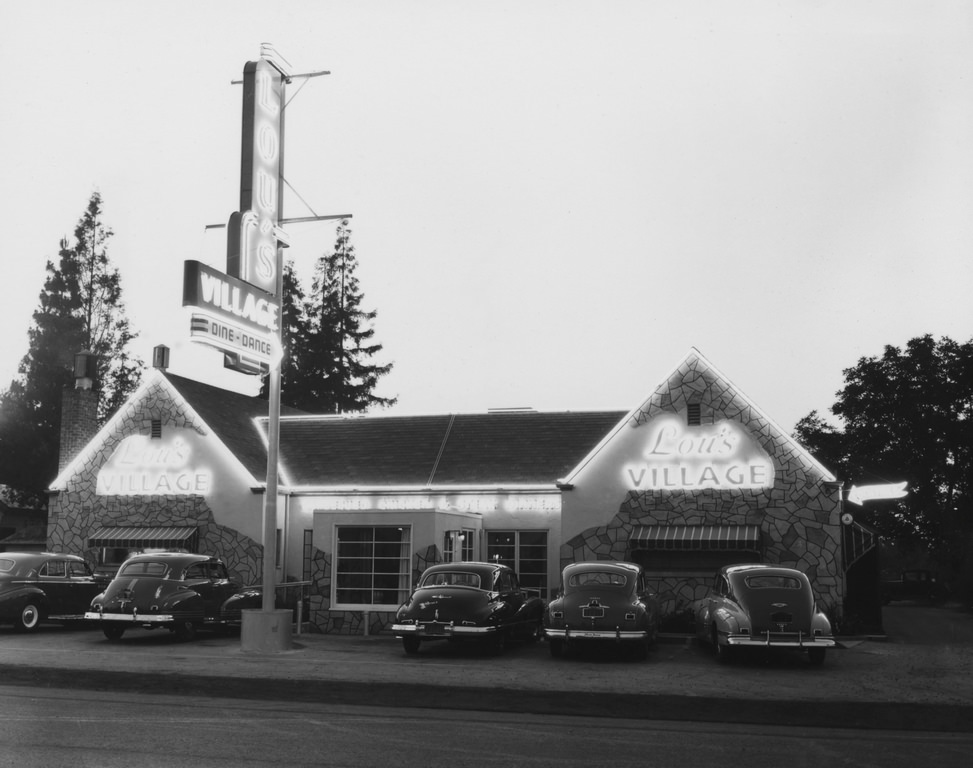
329	343
80	308
908	415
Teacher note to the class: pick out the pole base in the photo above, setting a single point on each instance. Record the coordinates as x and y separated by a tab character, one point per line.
266	631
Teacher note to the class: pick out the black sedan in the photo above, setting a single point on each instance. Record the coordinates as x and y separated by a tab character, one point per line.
602	603
176	591
469	601
44	586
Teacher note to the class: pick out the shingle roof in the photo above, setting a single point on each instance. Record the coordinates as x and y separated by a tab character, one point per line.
517	447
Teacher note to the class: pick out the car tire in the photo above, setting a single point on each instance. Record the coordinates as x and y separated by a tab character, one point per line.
28	618
185	631
498	643
411	644
113	633
557	647
724	653
816	656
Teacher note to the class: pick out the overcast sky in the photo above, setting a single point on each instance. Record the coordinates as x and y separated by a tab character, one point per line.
552	201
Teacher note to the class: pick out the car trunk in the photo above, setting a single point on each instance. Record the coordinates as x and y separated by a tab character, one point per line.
779	611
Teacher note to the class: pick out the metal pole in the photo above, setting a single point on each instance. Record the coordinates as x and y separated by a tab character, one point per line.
270	500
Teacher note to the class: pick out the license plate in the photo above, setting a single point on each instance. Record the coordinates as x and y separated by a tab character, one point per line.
593	613
434	628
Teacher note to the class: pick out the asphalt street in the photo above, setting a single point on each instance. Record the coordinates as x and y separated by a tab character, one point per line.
894	682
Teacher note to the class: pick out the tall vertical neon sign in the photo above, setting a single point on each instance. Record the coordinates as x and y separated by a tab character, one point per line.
252	231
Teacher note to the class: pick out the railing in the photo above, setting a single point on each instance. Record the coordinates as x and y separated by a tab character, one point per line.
295	595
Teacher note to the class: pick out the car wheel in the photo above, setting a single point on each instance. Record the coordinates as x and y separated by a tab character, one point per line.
557	647
411	644
498	643
29	618
816	656
536	633
185	630
112	632
724	653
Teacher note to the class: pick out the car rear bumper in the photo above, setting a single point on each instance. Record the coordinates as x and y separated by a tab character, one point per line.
132	618
770	641
439	630
595	634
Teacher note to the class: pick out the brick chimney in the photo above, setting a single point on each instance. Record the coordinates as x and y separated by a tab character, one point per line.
79	410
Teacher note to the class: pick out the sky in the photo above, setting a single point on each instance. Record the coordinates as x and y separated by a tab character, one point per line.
552	202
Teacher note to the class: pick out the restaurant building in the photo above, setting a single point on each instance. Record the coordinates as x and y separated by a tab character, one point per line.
694	477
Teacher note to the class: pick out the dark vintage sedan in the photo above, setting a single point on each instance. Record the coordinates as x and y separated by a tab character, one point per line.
762	606
469	601
601	603
44	586
177	591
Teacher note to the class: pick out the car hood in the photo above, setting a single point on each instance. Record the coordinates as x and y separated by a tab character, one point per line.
445	603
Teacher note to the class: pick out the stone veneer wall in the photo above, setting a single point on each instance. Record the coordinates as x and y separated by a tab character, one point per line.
323	619
75	513
798	517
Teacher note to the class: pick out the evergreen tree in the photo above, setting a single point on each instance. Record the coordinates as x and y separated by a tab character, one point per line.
296	335
80	308
328	367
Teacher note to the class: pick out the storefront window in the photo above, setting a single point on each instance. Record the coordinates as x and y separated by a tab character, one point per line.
372	566
525	552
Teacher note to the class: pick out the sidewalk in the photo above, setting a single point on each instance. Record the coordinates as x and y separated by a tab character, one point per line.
865	684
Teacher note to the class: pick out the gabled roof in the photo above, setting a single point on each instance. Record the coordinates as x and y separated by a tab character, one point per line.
733	402
491	449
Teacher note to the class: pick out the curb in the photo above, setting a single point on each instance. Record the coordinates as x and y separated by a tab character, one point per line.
949	718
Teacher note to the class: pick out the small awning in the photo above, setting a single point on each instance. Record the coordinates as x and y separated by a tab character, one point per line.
710	537
170	537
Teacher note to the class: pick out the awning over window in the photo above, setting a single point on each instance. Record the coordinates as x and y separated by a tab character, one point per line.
171	537
710	537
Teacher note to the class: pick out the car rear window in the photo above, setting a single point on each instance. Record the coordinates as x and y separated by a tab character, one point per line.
770	581
597	579
452	578
144	568
7	565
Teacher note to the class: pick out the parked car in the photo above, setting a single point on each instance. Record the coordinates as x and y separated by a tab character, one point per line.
762	606
44	586
178	591
469	601
602	601
916	584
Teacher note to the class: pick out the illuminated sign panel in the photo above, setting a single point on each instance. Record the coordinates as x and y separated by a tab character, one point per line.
252	240
231	316
142	466
718	456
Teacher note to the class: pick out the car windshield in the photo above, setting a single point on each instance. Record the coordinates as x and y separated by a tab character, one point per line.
772	581
144	568
452	578
597	579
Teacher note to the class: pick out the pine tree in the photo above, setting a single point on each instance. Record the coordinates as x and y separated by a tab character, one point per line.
80	308
328	368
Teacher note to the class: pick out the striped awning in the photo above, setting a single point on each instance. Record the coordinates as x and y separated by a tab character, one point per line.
711	537
169	537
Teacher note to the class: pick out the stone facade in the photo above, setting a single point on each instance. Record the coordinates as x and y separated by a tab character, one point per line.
77	511
798	516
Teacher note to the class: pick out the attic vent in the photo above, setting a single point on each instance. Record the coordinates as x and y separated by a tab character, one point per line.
694	416
156	429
